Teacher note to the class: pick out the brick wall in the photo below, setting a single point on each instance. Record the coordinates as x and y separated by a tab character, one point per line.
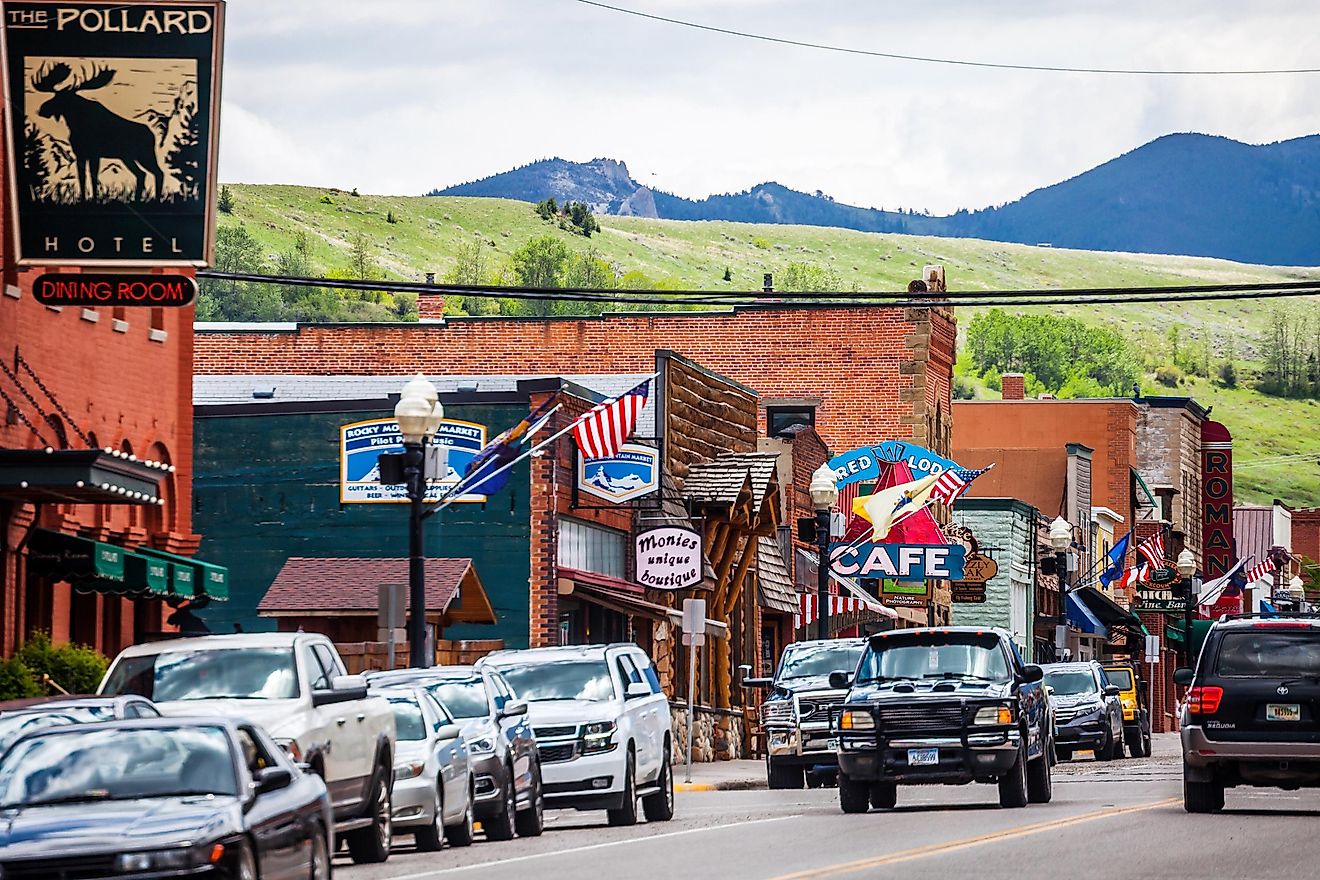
1306	534
1013	387
880	373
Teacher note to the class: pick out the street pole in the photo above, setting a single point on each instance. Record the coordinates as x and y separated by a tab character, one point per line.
415	472
1061	627
1187	623
692	718
823	571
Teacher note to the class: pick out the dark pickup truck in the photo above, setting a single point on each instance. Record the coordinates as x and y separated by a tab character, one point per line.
944	705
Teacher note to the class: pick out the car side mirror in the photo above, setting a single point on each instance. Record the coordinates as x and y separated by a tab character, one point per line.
636	689
1112	690
343	689
1182	676
840	680
273	779
513	708
449	731
1032	673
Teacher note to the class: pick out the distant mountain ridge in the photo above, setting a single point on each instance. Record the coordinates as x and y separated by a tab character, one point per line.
1183	194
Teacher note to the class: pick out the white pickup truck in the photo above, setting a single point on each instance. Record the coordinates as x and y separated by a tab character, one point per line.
295	686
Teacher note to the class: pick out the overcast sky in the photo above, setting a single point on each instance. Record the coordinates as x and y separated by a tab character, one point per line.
399	96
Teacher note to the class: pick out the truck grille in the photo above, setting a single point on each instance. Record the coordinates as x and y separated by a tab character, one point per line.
67	868
556	754
817	707
552	732
938	717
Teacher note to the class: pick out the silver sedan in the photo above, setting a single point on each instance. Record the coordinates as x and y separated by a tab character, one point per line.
433	780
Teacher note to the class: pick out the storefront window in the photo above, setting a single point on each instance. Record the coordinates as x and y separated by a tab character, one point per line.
589	547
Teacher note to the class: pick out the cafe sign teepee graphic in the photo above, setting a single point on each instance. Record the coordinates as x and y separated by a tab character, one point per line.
112	114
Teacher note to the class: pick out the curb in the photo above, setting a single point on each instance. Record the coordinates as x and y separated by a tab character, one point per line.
724	785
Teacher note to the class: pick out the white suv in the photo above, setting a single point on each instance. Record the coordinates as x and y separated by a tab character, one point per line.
603	730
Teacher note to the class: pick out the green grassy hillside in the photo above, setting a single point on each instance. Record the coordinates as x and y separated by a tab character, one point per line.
429	232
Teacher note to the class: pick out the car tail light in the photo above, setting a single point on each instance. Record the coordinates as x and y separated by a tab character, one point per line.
1204	700
1281	624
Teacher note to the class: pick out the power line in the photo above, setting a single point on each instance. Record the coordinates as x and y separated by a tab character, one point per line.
927	59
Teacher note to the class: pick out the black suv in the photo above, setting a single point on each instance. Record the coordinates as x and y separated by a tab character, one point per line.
942	705
1252	713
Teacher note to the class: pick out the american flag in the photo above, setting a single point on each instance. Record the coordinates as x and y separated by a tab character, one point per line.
1153	549
1137	574
1262	568
952	483
601	431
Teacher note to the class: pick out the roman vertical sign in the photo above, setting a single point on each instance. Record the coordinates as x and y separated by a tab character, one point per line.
1216	500
113	112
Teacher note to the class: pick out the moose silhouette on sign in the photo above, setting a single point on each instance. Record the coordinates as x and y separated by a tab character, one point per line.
96	132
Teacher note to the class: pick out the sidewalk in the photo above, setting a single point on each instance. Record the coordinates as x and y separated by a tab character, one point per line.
721	776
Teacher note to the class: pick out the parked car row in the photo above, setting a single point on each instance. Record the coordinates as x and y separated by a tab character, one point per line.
266	757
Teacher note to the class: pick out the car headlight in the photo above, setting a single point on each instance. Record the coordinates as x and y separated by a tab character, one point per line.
988	715
291	747
598	737
408	770
170	859
482	745
857	719
777	710
1088	711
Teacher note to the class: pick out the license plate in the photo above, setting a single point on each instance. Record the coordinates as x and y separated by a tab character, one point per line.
923	757
832	745
1283	712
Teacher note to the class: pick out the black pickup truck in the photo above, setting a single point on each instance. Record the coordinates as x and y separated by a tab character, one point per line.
943	705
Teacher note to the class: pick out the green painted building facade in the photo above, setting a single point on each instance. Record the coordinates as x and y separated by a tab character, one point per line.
1005	528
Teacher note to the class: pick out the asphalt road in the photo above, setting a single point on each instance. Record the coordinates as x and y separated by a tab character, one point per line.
1117	820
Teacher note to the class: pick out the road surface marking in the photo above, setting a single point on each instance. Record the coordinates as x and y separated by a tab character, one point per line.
965	843
592	846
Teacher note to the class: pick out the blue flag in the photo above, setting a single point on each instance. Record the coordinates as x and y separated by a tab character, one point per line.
1116	557
488	472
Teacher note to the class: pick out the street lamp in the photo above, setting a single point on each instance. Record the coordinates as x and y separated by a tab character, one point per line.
418	413
1061	539
1187	568
824	492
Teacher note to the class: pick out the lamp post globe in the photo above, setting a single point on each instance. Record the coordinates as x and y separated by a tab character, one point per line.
420	386
414	414
1060	534
824	488
1186	564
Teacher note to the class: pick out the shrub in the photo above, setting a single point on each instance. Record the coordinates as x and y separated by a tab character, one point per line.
326	200
728	274
964	388
16	681
1169	375
76	668
226	201
1227	374
762	243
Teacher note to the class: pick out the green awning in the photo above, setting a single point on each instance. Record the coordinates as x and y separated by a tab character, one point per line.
193	577
74	558
146	573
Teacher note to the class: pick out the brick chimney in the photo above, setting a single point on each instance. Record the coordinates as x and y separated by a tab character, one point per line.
1014	386
430	307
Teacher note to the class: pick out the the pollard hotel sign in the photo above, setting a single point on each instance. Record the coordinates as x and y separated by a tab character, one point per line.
112	112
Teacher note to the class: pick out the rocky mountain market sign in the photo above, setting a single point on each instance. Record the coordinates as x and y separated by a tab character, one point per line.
632	473
668	558
906	562
360	447
113	112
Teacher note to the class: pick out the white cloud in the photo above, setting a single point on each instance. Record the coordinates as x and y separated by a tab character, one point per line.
404	95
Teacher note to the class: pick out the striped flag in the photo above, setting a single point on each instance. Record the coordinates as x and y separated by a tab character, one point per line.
1137	574
1262	568
953	483
602	430
1153	549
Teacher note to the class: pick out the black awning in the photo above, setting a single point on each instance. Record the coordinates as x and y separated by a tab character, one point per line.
78	476
1109	612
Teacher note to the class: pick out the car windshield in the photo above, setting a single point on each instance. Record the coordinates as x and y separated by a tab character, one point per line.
409	725
120	763
247	674
464	698
805	661
17	724
1120	678
1073	683
561	680
934	655
1270	653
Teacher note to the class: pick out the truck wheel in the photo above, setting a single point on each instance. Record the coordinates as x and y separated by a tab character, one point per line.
1013	784
1145	744
783	776
1132	739
659	807
1040	784
1063	754
1202	797
884	795
854	796
1105	751
372	844
501	825
626	814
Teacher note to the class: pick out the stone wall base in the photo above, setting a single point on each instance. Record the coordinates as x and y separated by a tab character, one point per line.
717	736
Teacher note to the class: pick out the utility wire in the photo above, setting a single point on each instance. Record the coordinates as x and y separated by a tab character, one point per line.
958	62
